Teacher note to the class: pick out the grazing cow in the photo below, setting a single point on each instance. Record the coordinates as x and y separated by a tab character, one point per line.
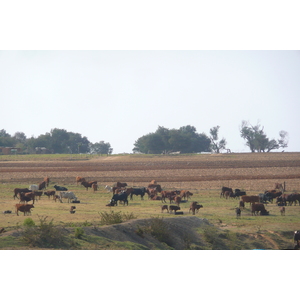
238	212
17	191
164	207
270	195
184	194
25	208
238	193
119	197
88	184
79	179
60	188
250	199
30	195
33	187
294	197
193	207
94	187
24	198
108	188
173	208
224	189
42	185
68	195
138	192
50	193
282	211
259	207
121	184
151	192
155	186
177	200
47	180
38	194
228	194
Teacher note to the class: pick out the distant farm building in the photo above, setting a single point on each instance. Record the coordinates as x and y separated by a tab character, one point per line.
10	150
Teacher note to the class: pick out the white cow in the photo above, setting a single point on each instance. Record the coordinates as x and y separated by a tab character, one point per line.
110	189
68	195
34	187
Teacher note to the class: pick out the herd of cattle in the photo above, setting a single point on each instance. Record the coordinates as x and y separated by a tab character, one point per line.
121	192
257	202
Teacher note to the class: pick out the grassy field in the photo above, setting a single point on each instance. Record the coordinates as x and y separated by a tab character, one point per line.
203	175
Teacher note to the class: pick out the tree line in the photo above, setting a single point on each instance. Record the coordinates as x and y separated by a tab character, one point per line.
55	141
186	139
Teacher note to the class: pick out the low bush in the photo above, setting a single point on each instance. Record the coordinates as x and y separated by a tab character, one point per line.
28	222
46	235
115	217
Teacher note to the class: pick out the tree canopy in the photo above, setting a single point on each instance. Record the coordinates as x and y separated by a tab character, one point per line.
257	140
164	140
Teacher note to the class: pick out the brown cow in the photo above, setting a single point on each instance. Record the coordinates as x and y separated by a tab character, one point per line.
42	185
242	204
25	208
177	200
151	192
24	198
163	207
184	194
30	195
259	207
47	180
250	199
158	198
193	207
224	189
18	190
50	193
79	179
38	194
88	184
173	207
94	187
155	186
121	184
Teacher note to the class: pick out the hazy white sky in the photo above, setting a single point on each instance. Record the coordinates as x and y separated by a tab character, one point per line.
118	96
147	69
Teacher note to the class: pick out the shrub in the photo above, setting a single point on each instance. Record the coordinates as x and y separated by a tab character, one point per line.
79	232
28	222
46	235
158	229
115	217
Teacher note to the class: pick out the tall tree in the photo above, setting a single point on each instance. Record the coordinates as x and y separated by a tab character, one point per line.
216	146
257	140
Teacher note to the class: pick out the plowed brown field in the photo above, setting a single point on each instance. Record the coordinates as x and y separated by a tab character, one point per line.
251	171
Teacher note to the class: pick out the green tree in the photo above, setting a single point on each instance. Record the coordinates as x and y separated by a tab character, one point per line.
101	148
257	140
216	145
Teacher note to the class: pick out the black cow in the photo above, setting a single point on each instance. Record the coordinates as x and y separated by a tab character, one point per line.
119	197
238	212
238	193
137	192
60	188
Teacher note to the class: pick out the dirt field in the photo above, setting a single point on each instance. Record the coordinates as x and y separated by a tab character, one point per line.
204	175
